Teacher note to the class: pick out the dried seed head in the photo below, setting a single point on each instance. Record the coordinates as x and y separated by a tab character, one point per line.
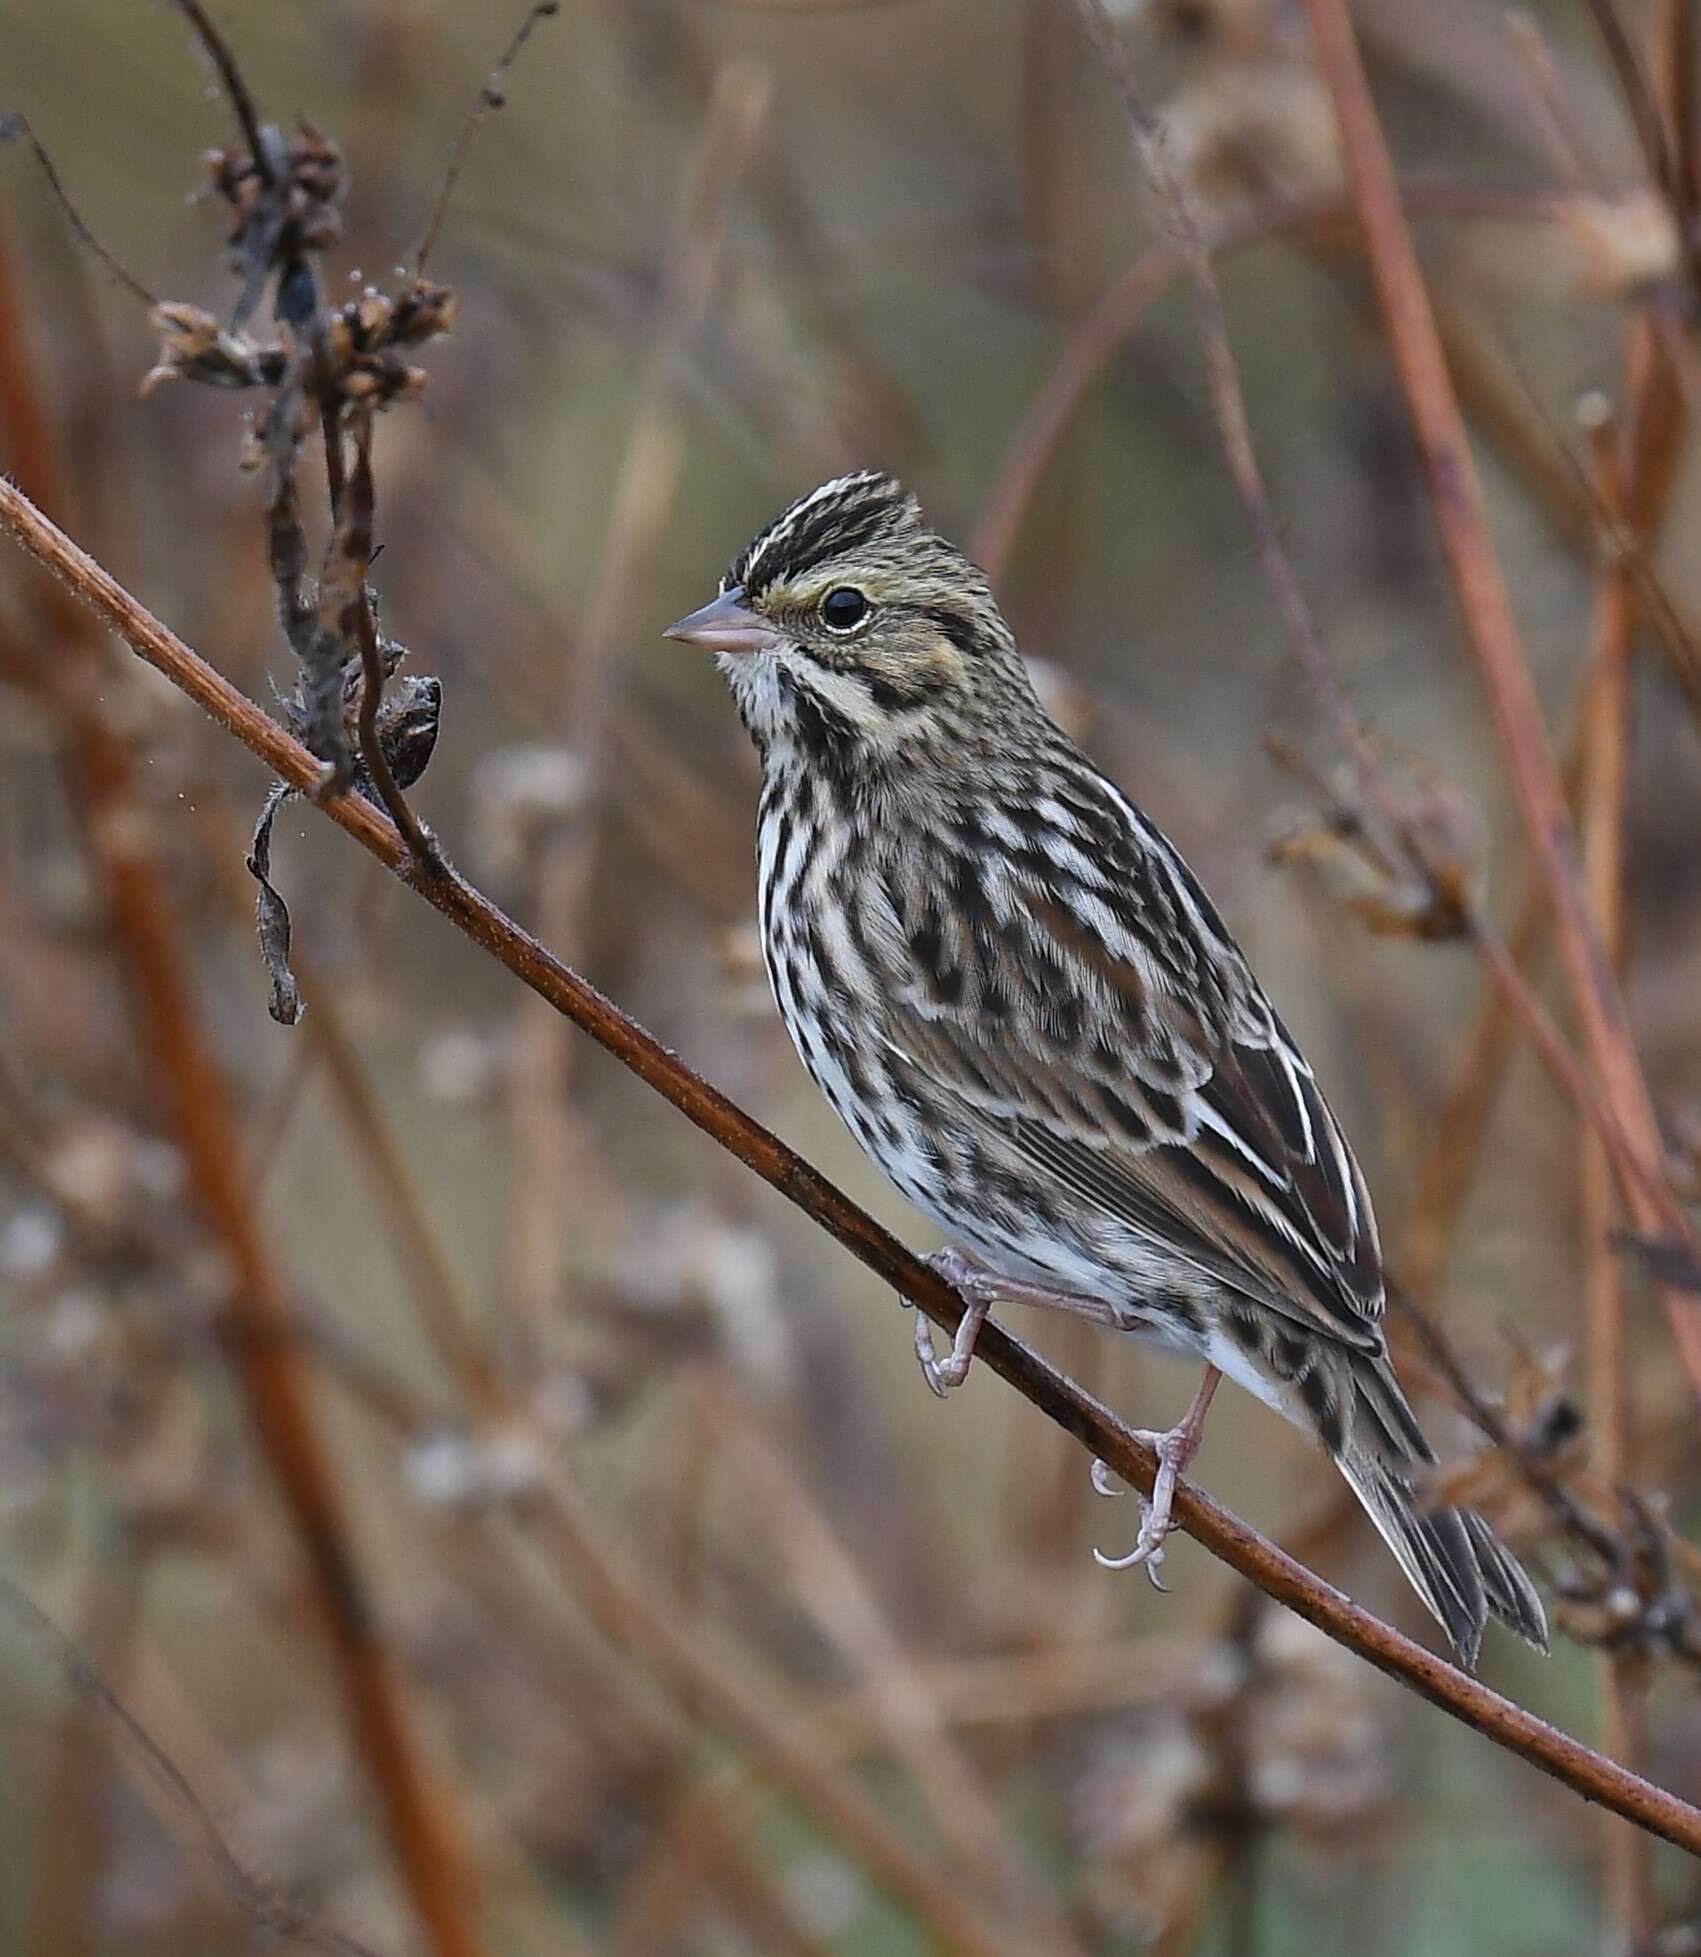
339	346
425	310
408	724
1253	129
193	346
1313	1742
371	317
1621	245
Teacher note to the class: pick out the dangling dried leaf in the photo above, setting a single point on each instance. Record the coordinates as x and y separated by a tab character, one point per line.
271	914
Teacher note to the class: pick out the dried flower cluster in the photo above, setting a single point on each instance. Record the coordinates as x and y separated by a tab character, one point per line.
1273	1731
330	371
1627	1584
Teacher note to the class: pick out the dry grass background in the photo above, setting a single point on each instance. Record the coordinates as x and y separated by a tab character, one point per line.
706	256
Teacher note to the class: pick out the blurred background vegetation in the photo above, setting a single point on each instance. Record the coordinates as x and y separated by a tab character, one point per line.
708	255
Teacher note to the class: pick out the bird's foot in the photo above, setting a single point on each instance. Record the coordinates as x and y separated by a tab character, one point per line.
1175	1448
1155	1518
979	1291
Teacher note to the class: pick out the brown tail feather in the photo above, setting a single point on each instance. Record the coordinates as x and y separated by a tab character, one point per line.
1451	1557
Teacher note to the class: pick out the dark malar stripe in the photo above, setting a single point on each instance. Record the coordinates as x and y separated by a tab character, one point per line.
824	731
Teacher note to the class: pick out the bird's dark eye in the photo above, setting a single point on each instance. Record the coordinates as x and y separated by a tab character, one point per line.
843	609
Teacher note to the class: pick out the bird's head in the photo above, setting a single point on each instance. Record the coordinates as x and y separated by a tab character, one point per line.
850	631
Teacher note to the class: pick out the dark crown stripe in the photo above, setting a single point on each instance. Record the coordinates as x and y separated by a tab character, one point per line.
817	527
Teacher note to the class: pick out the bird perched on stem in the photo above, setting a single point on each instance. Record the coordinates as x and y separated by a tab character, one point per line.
1025	1008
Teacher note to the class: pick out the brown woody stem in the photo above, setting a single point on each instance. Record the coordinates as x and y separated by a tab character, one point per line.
1510	1726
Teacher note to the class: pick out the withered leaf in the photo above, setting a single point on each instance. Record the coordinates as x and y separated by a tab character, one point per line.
271	913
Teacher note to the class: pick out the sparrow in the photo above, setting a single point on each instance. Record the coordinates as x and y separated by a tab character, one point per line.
1028	1012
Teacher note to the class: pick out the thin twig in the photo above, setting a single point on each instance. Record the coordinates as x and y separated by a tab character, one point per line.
13	127
1514	427
219	52
443	1306
1114	315
360	499
1635	473
1601	833
267	1907
1554	119
1107	1438
1448	1171
489	98
1638	96
645	484
825	1577
1601	837
1228	400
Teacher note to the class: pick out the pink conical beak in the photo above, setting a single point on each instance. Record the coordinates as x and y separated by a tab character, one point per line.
725	624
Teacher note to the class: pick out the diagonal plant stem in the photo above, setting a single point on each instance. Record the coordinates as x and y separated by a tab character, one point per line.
1628	1129
275	1917
1636	469
643	492
1486	608
1520	1732
1111	320
1606	744
1512	425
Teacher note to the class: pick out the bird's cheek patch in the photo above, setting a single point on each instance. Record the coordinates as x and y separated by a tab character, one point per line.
908	680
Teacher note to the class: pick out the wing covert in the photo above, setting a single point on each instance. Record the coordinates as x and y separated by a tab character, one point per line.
1084	1007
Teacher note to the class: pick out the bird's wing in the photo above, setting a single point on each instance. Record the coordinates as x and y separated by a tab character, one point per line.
1055	968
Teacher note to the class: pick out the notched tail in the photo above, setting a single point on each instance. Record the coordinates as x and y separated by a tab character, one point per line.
1512	1597
1451	1557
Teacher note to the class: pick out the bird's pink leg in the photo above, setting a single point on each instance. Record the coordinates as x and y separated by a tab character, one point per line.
981	1289
1174	1450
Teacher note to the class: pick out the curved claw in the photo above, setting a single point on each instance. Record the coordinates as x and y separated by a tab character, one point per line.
1174	1450
926	1355
1148	1550
944	1375
978	1291
1106	1482
1140	1553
